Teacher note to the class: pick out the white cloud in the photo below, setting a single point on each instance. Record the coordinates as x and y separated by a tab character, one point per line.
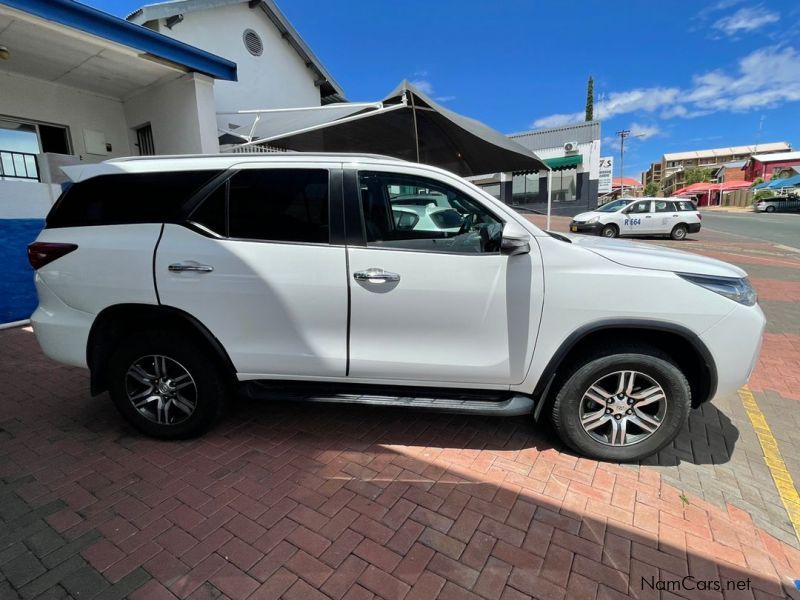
644	131
748	18
617	103
426	87
423	85
765	78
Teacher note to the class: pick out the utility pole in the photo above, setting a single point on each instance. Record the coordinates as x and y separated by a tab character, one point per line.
622	135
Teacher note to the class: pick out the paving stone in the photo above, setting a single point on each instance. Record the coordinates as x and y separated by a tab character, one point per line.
84	583
22	569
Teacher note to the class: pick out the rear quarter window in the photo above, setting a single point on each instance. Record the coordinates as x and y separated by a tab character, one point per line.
685	205
126	198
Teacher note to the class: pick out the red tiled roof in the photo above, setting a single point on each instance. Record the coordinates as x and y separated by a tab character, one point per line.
628	181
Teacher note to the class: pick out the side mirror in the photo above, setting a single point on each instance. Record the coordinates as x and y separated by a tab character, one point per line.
516	240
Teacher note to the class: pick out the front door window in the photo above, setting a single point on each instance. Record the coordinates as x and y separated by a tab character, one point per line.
415	213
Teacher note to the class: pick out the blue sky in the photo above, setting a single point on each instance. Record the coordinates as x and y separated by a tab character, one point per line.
696	75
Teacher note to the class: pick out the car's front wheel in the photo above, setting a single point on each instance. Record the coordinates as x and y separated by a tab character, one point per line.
609	231
623	405
166	385
770	209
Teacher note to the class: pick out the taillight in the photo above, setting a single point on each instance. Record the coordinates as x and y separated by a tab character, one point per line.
700	216
43	253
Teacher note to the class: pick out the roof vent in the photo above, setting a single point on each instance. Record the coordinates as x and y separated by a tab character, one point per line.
252	42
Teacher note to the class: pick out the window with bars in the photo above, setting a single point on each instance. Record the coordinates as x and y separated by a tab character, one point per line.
144	140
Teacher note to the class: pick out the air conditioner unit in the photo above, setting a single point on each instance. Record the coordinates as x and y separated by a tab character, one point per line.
571	147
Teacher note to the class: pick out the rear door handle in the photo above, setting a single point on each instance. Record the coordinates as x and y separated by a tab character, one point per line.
196	268
374	275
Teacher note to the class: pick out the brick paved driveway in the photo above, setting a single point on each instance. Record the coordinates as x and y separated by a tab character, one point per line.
350	502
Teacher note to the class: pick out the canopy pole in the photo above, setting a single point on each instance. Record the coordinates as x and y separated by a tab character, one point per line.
549	196
416	133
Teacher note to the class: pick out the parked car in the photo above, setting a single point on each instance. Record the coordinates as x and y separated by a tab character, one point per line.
674	217
179	281
778	203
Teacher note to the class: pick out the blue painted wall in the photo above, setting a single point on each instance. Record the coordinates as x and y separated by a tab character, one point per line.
17	292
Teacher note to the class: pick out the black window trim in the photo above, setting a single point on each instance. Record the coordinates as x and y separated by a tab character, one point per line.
356	233
335	228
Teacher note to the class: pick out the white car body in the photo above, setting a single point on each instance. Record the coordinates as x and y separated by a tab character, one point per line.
640	217
293	311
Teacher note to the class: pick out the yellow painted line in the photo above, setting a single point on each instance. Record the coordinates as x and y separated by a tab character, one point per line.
772	456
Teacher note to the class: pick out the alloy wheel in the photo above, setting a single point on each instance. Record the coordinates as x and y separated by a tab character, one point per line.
623	408
161	389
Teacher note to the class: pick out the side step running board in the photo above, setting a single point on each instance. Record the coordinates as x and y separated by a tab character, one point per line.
513	406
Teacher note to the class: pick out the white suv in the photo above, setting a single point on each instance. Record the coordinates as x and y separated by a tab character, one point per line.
181	280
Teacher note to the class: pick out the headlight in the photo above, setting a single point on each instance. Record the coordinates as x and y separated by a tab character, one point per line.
735	288
593	220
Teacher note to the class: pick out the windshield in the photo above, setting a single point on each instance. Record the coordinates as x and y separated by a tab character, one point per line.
613	206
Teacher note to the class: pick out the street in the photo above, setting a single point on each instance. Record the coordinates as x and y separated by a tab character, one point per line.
778	228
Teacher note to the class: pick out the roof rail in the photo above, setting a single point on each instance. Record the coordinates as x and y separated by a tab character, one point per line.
254	155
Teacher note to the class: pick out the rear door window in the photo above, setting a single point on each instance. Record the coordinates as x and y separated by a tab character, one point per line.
271	205
127	198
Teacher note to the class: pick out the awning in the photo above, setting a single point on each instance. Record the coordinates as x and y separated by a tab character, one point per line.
564	162
406	124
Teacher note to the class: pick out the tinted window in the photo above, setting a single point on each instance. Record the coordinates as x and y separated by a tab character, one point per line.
126	198
464	225
211	214
685	205
284	205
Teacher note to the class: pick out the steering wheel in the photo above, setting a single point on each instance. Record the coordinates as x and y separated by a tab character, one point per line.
466	224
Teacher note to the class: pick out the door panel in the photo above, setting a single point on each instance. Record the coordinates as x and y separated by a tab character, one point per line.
639	221
277	308
449	318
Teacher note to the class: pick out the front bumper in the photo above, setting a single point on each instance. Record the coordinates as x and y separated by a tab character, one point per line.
734	343
576	227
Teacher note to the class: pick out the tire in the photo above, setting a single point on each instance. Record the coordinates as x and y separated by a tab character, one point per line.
191	405
678	232
770	209
609	231
572	408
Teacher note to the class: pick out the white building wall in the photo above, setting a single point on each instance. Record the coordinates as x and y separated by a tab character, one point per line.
39	100
181	114
26	199
277	79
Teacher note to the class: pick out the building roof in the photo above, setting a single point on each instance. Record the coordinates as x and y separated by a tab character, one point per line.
554	137
721	152
704	186
628	181
776	157
149	43
165	10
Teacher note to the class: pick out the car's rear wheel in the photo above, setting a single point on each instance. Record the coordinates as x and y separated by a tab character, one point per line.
770	209
609	231
623	405
678	232
166	386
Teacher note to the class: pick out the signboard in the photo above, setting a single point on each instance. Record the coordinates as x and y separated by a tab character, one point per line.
606	174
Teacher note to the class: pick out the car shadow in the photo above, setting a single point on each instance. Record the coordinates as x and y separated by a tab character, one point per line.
708	438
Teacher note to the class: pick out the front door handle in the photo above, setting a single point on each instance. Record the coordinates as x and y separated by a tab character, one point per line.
180	268
375	275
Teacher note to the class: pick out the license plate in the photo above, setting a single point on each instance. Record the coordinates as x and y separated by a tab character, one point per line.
573	228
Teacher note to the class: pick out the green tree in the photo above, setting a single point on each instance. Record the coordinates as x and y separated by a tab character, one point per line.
590	99
651	189
696	175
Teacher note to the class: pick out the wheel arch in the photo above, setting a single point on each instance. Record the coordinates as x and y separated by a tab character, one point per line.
114	323
683	345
